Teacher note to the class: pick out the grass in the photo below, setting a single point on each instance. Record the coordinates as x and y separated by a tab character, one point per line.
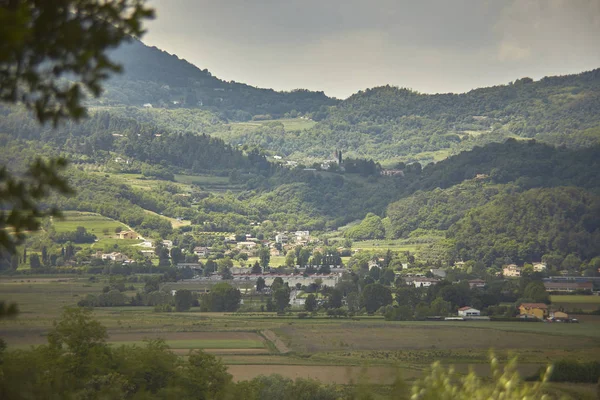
202	179
289	124
321	342
203	344
394	245
94	223
175	223
575	299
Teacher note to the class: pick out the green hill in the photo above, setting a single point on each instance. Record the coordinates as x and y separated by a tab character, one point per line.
391	124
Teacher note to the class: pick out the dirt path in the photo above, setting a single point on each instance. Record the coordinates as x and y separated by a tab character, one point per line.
272	337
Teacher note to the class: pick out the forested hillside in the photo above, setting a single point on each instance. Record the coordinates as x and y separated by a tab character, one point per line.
561	223
392	124
152	76
105	132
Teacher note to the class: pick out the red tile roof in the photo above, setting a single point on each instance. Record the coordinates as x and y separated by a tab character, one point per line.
533	305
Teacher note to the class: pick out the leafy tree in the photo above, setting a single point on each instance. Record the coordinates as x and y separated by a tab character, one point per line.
260	284
375	296
334	300
310	304
45	43
78	332
290	258
34	261
176	255
281	297
183	300
222	298
226	274
441	383
256	269
265	256
536	291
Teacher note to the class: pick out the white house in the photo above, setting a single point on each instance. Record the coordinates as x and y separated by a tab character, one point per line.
468	312
421	282
302	235
201	251
539	267
438	272
115	257
281	238
511	270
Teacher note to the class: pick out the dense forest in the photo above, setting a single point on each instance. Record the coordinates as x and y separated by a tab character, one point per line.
551	223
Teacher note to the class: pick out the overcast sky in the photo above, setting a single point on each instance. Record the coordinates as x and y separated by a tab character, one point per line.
342	46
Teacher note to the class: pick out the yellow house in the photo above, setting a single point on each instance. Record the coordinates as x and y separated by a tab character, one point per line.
128	235
539	310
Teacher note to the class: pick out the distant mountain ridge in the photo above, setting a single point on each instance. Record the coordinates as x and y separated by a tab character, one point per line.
387	123
154	77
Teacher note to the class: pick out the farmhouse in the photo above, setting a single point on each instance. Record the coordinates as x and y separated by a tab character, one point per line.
476	283
538	310
201	251
468	311
511	271
148	253
118	257
128	235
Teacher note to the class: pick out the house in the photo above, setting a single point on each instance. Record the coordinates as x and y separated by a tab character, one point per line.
476	283
194	266
511	271
559	315
372	264
392	172
201	251
421	281
438	272
281	238
246	245
538	310
302	235
468	312
148	253
168	244
117	257
568	286
539	267
128	235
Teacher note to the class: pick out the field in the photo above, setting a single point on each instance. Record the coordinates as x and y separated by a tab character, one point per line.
331	350
577	302
102	227
394	245
289	124
94	223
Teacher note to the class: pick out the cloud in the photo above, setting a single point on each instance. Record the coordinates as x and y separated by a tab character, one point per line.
508	51
342	46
